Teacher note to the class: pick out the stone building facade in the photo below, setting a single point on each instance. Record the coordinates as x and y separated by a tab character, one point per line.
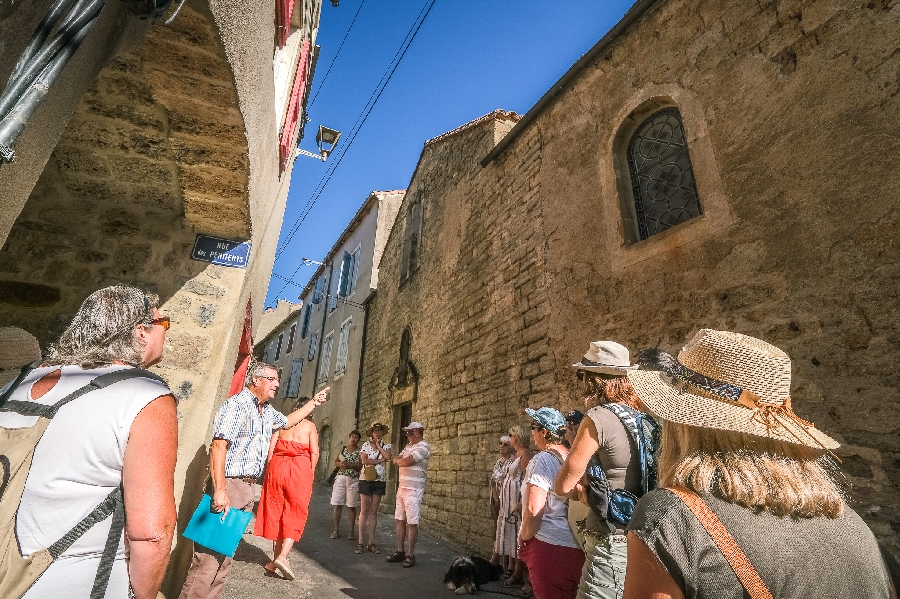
322	343
155	135
774	212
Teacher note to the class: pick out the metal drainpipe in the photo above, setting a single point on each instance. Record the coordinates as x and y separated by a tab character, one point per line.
362	353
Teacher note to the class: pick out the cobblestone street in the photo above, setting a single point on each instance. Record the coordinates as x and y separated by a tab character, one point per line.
329	569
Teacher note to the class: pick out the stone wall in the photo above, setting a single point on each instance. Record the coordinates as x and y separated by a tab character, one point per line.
790	113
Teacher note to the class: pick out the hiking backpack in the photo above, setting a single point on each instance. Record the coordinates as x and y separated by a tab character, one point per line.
17	445
616	505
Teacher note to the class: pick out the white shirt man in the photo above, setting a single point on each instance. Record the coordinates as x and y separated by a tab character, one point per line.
413	463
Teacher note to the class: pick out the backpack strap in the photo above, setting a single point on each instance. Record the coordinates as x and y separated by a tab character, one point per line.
742	567
24	372
29	408
113	504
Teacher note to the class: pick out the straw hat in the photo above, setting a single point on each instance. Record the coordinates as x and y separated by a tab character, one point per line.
606	357
377	423
727	381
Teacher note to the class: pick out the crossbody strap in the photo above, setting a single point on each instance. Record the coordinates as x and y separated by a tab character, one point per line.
22	374
742	567
29	408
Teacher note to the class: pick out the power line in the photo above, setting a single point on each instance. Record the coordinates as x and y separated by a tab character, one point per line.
316	95
364	115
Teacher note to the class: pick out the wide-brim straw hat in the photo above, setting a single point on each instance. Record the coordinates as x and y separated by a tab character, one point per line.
379	424
606	357
726	381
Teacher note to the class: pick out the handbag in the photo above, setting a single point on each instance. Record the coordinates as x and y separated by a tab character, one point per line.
742	567
218	531
332	476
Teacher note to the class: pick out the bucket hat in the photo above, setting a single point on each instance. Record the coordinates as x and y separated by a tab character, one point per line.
550	418
727	381
377	423
606	357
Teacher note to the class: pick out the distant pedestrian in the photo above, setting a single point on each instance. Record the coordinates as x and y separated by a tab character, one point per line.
742	471
511	508
413	463
372	481
603	370
106	455
284	501
495	482
345	490
573	421
546	543
242	434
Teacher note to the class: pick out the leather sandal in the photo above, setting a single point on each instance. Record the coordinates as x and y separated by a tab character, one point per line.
397	556
334	534
373	548
359	549
409	561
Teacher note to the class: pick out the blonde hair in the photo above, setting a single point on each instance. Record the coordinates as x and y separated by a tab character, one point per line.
763	474
519	433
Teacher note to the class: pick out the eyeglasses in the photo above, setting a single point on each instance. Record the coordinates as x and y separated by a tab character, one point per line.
536	427
163	321
270	378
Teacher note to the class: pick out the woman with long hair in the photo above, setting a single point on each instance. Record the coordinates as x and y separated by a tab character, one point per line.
287	488
753	502
122	436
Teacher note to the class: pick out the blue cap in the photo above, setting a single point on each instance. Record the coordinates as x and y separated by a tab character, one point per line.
550	418
575	417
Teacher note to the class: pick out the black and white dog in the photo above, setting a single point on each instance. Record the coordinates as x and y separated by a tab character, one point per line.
468	573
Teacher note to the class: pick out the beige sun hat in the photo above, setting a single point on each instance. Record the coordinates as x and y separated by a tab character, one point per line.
607	357
727	381
379	424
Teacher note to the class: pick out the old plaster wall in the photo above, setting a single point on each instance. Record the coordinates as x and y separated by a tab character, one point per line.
789	109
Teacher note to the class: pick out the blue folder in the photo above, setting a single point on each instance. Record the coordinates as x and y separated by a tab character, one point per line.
217	531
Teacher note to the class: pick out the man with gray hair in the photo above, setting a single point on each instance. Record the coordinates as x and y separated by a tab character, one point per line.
241	434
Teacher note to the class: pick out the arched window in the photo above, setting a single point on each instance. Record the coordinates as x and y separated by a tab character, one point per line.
662	179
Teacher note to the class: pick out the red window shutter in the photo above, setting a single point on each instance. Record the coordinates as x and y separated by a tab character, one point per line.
294	106
284	9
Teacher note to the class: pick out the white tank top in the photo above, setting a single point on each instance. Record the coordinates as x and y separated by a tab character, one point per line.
76	464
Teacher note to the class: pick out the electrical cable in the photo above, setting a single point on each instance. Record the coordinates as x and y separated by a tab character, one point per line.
367	110
316	95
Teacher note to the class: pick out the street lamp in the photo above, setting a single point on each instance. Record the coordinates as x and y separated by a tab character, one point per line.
326	139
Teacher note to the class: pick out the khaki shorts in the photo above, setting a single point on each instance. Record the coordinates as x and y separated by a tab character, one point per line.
345	491
409	503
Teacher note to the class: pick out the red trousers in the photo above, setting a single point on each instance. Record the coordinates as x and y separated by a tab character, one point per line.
554	570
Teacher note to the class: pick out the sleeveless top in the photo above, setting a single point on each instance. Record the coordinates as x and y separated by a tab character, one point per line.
800	558
616	458
76	464
374	454
351	457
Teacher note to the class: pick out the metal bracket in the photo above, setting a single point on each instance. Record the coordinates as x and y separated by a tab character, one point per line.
299	151
7	154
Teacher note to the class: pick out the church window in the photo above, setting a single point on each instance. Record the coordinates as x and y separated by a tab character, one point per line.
662	178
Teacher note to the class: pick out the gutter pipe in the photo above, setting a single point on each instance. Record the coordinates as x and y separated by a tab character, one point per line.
634	13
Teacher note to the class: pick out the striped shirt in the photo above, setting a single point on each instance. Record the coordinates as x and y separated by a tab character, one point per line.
247	431
413	477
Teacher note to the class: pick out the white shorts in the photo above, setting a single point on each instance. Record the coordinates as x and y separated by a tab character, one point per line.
345	491
409	503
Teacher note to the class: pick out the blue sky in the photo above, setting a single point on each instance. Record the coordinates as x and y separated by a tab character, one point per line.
470	57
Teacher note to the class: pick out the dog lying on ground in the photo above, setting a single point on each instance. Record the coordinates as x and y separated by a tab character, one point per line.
466	574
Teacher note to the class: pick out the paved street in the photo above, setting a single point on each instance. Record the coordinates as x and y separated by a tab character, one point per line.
328	569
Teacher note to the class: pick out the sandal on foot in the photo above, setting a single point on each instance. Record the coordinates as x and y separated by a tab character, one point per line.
359	549
350	536
285	569
409	561
396	556
270	568
334	534
373	548
513	581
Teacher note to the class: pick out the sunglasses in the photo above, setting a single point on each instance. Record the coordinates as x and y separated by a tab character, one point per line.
536	427
163	321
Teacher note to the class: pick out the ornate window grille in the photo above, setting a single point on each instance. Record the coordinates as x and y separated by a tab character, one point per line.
662	178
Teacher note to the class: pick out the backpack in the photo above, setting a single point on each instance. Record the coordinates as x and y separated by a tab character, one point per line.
17	445
616	505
